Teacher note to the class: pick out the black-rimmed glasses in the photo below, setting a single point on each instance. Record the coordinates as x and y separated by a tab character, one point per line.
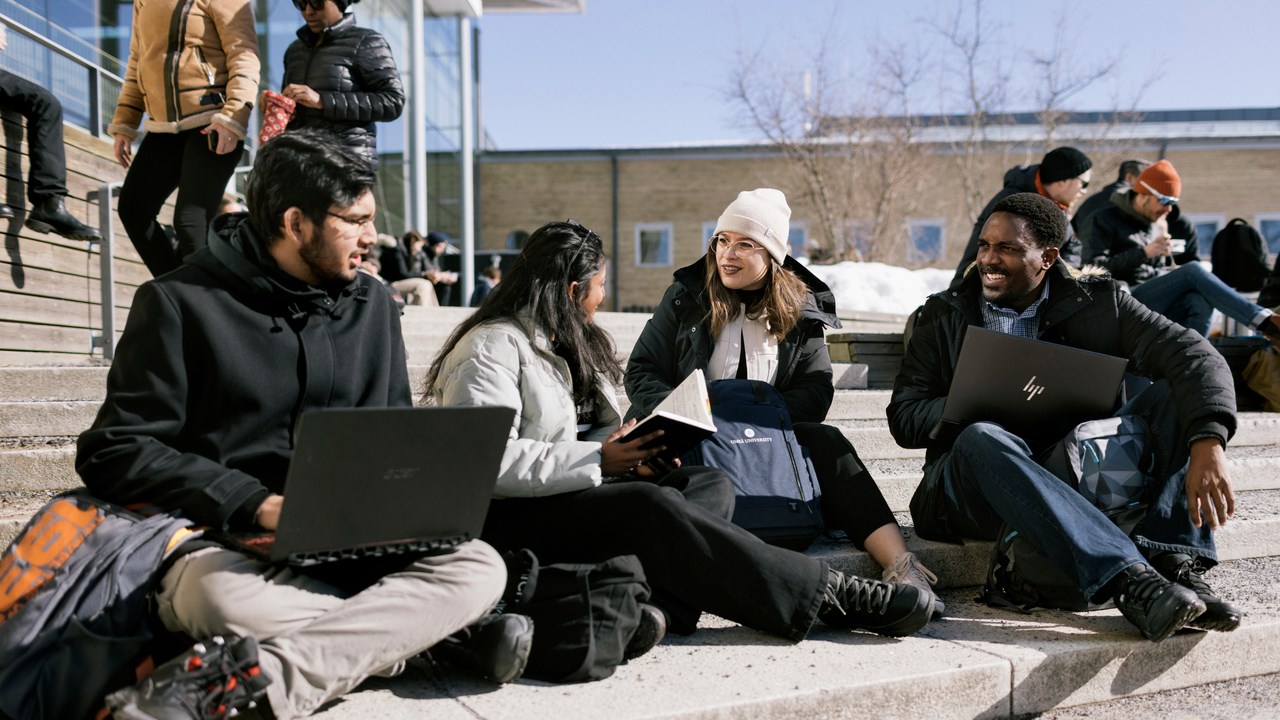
351	221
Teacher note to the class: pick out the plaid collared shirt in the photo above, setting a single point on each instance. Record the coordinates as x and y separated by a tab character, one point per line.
1011	322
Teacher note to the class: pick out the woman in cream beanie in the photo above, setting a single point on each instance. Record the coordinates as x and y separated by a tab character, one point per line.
748	310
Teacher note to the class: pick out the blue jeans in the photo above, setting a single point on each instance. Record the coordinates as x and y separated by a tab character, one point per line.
1188	295
990	476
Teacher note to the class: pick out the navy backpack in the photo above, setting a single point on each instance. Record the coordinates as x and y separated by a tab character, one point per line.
777	490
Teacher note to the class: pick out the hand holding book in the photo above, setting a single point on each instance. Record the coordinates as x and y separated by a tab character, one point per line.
684	418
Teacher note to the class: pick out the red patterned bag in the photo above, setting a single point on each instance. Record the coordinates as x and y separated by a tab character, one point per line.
277	110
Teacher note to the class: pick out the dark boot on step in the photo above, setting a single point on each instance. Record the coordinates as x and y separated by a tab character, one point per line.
51	216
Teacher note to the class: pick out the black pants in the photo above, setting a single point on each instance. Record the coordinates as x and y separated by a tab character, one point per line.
48	176
851	500
166	161
694	558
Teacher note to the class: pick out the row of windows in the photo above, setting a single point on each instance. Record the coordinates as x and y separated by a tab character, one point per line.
654	241
1208	224
926	237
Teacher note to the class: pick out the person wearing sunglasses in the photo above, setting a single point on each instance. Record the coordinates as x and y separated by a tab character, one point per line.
1062	176
342	76
748	310
193	72
1132	239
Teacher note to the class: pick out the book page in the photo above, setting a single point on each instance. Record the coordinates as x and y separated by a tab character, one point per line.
689	399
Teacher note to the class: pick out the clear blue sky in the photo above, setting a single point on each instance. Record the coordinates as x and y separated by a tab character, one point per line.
646	72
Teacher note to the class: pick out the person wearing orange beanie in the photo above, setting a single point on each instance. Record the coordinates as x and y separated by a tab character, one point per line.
1131	239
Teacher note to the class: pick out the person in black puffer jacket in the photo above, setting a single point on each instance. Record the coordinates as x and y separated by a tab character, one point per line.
342	76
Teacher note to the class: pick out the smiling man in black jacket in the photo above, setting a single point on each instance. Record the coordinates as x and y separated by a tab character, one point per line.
218	361
984	475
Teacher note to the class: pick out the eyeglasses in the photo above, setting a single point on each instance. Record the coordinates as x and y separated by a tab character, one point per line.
1164	199
351	221
315	4
721	244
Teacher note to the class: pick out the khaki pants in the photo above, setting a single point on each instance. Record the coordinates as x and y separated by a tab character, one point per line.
417	291
316	644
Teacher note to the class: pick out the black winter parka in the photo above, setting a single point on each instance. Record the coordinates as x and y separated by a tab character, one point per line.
1091	312
677	340
1115	237
218	360
355	74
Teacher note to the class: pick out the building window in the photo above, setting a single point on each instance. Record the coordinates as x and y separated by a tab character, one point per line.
653	244
1207	226
925	237
798	238
1269	226
708	229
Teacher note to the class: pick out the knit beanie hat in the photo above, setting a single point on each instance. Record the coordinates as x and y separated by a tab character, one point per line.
1063	163
761	215
1162	178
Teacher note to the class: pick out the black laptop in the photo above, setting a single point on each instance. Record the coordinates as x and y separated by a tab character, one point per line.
1032	388
370	482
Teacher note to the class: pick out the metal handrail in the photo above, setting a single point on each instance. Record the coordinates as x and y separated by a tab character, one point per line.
96	71
106	272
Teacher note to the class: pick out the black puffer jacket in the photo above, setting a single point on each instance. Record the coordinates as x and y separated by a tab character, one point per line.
1082	311
356	77
677	340
1115	237
1016	179
218	360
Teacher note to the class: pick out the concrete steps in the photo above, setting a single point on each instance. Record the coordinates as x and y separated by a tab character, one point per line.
976	663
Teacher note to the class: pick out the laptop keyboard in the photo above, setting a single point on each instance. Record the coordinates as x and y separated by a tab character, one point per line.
416	547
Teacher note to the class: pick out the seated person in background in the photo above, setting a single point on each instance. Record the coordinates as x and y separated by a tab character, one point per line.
985	475
217	362
437	247
1129	172
571	490
1131	239
488	280
404	265
1062	176
231	204
748	310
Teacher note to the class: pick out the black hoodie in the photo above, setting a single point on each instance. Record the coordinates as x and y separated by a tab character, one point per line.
217	361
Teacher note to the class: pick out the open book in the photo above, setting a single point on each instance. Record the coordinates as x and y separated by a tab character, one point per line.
684	416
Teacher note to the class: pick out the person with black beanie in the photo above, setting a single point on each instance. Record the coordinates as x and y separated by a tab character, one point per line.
1062	176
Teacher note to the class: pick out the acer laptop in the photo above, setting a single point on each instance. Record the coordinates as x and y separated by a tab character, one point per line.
369	482
1032	388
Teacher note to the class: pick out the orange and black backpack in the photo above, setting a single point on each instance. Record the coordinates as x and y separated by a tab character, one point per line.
75	607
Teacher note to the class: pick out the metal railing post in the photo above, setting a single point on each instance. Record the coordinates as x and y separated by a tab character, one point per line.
106	272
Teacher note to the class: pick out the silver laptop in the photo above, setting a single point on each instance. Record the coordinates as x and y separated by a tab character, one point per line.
1032	388
368	482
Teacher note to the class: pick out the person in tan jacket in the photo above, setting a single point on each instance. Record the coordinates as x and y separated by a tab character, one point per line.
197	97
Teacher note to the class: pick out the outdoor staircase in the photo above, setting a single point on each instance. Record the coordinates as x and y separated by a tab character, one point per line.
978	662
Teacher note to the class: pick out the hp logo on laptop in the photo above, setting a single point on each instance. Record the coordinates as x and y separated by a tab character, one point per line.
1032	389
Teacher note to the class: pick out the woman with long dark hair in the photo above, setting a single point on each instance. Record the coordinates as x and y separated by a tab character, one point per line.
747	310
572	490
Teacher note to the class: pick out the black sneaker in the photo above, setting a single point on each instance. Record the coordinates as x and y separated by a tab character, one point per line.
52	216
1154	605
495	647
1188	572
653	627
219	678
886	608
